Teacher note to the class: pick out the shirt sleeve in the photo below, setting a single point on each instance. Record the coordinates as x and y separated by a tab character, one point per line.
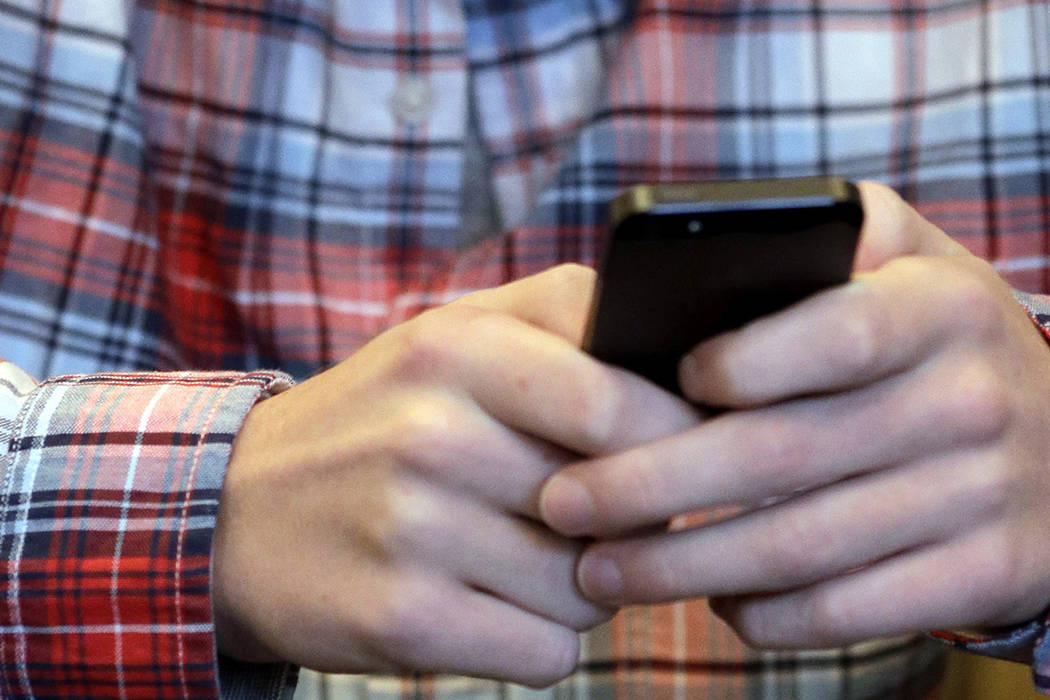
1029	642
109	488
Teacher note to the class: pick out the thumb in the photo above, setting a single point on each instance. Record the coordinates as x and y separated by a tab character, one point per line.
893	229
557	300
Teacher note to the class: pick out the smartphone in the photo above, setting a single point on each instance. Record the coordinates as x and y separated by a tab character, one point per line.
684	262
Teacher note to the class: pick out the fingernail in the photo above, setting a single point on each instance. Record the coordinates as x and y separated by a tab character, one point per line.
566	505
599	579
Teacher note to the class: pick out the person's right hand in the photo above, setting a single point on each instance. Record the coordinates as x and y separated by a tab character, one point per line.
383	515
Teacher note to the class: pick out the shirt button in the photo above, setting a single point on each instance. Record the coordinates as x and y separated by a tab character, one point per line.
412	99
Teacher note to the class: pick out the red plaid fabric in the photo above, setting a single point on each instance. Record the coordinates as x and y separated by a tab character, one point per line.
110	488
234	185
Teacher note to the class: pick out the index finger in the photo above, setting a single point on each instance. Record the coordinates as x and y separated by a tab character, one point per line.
556	300
515	351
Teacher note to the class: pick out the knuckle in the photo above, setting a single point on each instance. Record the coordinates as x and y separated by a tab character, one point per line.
572	279
652	572
796	547
989	486
644	490
400	521
999	577
780	452
666	578
910	269
421	348
974	305
426	430
401	624
856	348
482	325
829	619
598	407
979	405
1012	571
889	203
432	344
885	232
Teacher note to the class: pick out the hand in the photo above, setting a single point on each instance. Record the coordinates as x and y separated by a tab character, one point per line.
383	515
886	460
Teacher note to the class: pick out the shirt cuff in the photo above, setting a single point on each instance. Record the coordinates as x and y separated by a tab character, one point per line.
108	498
1038	308
1027	643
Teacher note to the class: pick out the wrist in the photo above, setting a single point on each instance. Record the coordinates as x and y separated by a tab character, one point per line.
232	575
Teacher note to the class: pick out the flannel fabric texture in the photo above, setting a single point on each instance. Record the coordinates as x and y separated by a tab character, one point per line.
193	192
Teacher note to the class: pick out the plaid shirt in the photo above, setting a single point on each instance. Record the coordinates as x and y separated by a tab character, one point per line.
192	191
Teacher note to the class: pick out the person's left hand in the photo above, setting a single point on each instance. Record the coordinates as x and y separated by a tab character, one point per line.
886	458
